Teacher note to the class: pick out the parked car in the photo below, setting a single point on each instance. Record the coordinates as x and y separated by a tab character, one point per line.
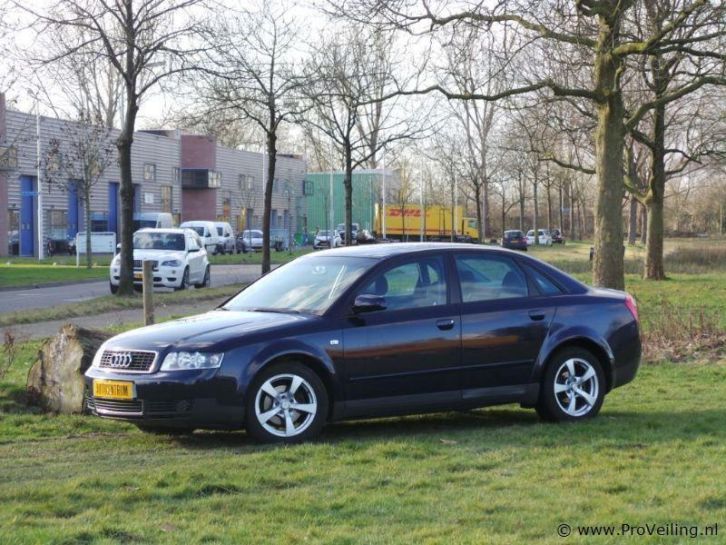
179	257
327	239
514	239
207	231
249	240
365	237
557	237
355	228
370	331
154	220
543	237
226	241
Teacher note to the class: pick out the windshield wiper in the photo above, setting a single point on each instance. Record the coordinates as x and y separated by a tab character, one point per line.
277	310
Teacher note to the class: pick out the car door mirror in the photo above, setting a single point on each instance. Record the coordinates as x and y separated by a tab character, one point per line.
369	303
118	248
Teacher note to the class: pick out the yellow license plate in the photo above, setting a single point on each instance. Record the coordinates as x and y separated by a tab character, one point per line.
113	389
138	276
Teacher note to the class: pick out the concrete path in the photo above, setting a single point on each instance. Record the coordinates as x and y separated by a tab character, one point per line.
25	332
31	298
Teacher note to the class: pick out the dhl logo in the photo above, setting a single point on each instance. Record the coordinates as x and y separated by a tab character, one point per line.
407	212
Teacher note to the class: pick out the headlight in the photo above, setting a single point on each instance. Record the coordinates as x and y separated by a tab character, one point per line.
182	361
171	263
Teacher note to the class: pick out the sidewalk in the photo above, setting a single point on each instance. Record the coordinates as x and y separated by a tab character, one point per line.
39	330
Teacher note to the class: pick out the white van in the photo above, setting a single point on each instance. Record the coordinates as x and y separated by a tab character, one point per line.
155	220
226	244
207	231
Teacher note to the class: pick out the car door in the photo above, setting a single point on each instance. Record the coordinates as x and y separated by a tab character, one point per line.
503	327
406	356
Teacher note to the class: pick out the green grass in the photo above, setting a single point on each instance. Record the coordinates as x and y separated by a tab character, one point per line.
489	476
25	274
109	303
499	476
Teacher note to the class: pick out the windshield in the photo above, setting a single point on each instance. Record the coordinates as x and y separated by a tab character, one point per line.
140	224
323	233
306	285
159	241
198	230
252	234
220	231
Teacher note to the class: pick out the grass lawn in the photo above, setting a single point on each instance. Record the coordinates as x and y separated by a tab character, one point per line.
655	455
25	274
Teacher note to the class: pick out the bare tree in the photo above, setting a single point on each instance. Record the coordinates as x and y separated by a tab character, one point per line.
596	28
78	161
250	74
146	42
348	78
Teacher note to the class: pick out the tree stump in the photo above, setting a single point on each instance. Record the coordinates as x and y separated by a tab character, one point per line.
55	382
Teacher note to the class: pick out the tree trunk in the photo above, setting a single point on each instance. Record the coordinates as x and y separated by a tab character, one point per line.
654	243
269	184
549	207
521	212
633	221
87	214
348	184
608	269
55	381
124	143
536	212
479	218
643	224
560	213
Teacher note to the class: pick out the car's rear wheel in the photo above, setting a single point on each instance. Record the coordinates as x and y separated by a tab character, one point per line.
573	387
206	281
287	403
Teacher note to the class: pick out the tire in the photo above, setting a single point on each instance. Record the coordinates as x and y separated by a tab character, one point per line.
185	281
160	430
274	419
206	281
558	388
114	289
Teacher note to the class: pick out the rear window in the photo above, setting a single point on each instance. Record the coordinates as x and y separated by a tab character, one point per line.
544	285
220	231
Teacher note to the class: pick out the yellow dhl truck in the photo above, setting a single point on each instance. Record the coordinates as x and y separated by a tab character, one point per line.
404	223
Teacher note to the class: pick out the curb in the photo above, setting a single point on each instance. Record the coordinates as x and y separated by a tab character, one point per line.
52	284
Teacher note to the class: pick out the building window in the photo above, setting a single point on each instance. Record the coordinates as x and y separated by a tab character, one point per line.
176	175
166	198
215	179
99	222
149	172
13	231
227	208
246	182
308	187
58	224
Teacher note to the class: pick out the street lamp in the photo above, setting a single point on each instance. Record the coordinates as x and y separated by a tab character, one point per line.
39	186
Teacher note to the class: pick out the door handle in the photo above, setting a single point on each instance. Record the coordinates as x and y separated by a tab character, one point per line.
537	315
445	325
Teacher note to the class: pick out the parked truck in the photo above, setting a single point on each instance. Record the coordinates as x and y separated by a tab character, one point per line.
405	222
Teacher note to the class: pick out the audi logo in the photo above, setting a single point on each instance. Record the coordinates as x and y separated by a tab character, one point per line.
120	360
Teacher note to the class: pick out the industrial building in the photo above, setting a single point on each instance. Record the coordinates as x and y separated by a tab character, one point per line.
187	175
323	188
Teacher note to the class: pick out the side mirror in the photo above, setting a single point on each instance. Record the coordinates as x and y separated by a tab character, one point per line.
118	247
369	303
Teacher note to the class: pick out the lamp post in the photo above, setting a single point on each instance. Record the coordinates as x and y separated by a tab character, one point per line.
39	186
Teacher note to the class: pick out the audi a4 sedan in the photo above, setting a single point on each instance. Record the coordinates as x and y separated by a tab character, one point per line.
372	331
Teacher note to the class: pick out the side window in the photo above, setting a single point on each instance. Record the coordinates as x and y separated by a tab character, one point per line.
544	285
484	278
417	284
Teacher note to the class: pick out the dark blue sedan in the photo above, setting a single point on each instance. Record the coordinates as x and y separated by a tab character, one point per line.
375	331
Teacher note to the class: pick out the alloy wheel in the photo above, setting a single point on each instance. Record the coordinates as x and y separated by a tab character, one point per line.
286	405
576	387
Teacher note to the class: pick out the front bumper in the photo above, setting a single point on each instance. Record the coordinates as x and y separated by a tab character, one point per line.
164	277
189	399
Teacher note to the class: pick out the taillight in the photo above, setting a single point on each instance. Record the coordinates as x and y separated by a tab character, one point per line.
632	306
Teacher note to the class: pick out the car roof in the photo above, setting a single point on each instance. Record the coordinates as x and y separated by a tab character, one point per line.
197	222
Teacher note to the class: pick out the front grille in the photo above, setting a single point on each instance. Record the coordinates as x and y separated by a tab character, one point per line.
139	264
128	361
166	408
116	408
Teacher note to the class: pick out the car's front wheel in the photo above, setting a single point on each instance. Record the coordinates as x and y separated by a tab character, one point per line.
184	281
114	288
573	387
287	403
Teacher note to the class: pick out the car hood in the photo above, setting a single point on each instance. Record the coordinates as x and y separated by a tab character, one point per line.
159	255
217	329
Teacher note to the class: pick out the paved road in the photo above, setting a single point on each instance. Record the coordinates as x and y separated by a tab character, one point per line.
222	275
